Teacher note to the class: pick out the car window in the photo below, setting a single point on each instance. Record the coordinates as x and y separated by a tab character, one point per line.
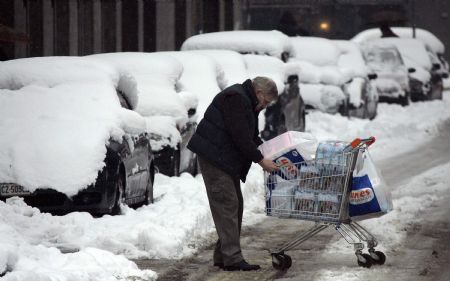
123	100
385	58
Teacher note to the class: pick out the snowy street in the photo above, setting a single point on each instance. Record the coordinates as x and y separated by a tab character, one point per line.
414	237
171	238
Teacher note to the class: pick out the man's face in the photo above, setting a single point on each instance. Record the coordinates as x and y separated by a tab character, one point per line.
263	100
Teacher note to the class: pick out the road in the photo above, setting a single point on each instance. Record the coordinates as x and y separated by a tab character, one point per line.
423	255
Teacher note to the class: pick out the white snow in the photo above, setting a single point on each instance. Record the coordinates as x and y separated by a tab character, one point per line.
201	76
405	32
272	43
178	222
318	51
55	128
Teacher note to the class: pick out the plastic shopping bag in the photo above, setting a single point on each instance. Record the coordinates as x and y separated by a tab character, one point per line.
288	150
370	196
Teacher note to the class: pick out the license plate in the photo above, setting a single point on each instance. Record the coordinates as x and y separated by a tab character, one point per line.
11	189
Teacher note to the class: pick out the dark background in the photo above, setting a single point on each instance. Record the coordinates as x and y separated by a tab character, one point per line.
81	27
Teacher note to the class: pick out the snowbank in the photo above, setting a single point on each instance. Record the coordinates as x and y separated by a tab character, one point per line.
272	43
54	127
405	32
179	222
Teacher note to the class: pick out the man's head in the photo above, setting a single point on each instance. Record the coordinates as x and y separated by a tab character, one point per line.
266	91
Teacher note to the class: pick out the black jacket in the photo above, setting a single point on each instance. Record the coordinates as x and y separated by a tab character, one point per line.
227	135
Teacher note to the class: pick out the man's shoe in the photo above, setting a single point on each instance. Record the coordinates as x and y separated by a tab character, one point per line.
219	264
242	265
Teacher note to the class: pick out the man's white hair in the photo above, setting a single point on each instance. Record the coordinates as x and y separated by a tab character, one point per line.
266	85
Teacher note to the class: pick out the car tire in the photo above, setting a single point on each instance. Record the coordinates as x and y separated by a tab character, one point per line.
119	187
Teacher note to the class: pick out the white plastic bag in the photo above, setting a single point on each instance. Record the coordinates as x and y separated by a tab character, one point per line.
288	150
370	196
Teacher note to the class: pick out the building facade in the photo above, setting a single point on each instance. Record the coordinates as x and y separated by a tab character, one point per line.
82	27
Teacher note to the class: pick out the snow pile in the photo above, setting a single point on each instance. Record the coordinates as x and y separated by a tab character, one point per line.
267	66
156	76
52	71
325	98
423	35
179	222
232	64
201	76
351	61
272	43
54	133
318	51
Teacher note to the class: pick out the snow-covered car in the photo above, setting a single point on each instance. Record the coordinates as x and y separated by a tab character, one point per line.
273	47
169	112
70	138
332	78
437	66
361	89
392	74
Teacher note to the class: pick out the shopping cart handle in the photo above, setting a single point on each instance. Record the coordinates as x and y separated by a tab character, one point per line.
357	143
368	141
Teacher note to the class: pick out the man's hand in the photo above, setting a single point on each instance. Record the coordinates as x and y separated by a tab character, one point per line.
268	165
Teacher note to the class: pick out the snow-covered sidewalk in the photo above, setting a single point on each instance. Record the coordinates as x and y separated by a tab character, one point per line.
38	246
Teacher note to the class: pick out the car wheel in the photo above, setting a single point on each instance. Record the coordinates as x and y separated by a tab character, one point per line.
119	198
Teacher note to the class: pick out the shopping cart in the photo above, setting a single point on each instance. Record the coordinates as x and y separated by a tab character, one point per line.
318	190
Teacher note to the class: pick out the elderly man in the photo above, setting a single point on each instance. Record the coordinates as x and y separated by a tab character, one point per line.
226	143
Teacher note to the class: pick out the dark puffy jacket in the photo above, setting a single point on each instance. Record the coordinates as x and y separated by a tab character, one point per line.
227	135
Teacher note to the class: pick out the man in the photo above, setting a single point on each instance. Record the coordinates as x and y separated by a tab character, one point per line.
226	142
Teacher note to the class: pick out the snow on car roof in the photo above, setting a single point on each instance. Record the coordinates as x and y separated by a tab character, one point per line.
318	51
423	35
52	71
54	133
272	43
201	76
267	66
232	64
155	76
351	60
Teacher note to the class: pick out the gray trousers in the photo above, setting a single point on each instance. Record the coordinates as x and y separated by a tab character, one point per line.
227	205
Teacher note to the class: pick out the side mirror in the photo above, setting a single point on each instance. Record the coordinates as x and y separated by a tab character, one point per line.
191	112
372	76
444	75
411	70
436	66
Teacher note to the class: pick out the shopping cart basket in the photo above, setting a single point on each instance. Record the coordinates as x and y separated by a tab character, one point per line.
318	190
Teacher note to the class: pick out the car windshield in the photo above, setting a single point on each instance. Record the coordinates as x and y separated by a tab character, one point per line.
382	58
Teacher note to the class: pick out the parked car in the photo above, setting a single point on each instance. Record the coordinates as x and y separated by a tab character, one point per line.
170	113
392	81
332	78
70	138
361	89
422	87
280	116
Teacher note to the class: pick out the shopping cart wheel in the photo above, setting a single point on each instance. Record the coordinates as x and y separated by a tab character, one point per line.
364	260
281	261
377	257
